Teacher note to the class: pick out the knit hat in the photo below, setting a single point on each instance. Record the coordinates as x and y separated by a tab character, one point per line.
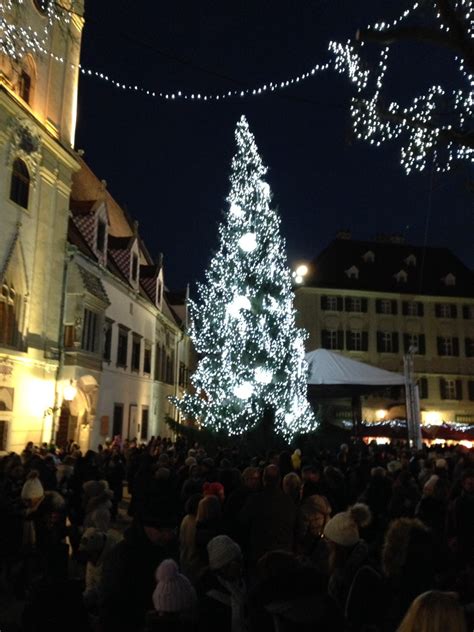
32	489
441	464
174	592
92	540
222	550
343	529
394	466
190	461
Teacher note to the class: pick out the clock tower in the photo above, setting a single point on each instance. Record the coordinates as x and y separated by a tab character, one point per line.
39	73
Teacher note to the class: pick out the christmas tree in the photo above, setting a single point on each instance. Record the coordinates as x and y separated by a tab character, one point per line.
251	354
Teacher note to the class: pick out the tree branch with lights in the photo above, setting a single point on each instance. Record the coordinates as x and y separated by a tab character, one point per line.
252	362
438	126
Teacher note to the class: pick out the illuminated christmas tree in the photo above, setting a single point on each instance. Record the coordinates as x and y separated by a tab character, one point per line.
243	324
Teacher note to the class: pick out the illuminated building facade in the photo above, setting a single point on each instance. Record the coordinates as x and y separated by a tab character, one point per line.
374	300
37	123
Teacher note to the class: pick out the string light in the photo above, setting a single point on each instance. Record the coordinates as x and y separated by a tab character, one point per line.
254	360
434	123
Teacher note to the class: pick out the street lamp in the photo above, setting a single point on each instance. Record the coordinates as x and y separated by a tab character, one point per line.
300	273
69	392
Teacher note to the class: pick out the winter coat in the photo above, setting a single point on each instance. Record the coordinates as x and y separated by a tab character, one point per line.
222	605
270	518
190	560
341	578
128	580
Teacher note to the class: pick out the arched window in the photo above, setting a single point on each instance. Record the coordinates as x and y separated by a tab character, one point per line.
8	320
20	183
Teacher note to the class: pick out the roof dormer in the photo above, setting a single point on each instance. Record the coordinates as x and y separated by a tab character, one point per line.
401	276
352	272
411	260
134	265
369	256
101	234
449	280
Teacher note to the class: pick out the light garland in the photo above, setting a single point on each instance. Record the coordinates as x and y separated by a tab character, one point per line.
436	124
243	327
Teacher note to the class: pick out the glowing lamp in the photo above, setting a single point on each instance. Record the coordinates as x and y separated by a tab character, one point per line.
263	376
243	390
433	417
265	188
381	414
302	270
298	279
69	392
248	242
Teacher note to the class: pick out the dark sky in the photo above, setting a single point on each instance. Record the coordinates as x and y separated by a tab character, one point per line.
168	162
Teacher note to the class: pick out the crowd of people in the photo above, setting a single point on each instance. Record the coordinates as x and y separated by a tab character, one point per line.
365	538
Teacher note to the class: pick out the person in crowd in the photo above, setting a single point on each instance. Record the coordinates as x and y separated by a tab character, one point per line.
434	611
214	489
96	544
408	561
174	600
461	519
433	508
189	555
222	591
313	515
209	523
128	575
113	472
269	517
96	495
347	550
405	495
296	460
292	487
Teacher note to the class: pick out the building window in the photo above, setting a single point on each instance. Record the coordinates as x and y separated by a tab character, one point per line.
355	304
107	352
448	346
412	308
147	359
122	347
387	342
3	435
101	232
401	276
134	267
159	293
8	316
423	387
450	388
385	306
449	279
415	342
25	86
170	373
368	257
89	331
117	422
182	374
136	348
332	303
469	347
20	183
144	426
445	310
410	260
332	339
160	362
468	312
352	273
357	340
471	390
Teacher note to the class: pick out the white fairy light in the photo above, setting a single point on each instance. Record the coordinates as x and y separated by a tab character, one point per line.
248	242
236	210
435	123
239	302
263	376
244	390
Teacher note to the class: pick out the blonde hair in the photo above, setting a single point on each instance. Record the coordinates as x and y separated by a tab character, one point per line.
209	508
434	611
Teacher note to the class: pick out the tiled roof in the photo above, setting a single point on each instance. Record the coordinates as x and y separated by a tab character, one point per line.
76	238
425	269
94	285
82	207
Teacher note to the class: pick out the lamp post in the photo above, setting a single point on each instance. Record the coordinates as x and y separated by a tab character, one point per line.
412	399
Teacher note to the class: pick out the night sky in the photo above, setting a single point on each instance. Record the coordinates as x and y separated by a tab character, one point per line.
168	163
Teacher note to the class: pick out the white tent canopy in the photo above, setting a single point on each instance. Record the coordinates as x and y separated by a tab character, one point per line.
329	367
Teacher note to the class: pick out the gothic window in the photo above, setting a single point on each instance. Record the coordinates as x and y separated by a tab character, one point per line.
89	331
136	349
122	347
25	86
8	316
134	267
20	183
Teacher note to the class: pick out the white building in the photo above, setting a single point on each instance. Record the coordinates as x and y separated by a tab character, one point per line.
125	349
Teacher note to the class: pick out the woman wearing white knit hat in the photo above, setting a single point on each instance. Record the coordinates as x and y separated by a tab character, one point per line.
348	552
174	599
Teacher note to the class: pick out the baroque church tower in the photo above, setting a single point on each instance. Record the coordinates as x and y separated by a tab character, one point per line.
39	70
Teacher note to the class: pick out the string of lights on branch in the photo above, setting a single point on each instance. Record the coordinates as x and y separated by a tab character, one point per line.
436	126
